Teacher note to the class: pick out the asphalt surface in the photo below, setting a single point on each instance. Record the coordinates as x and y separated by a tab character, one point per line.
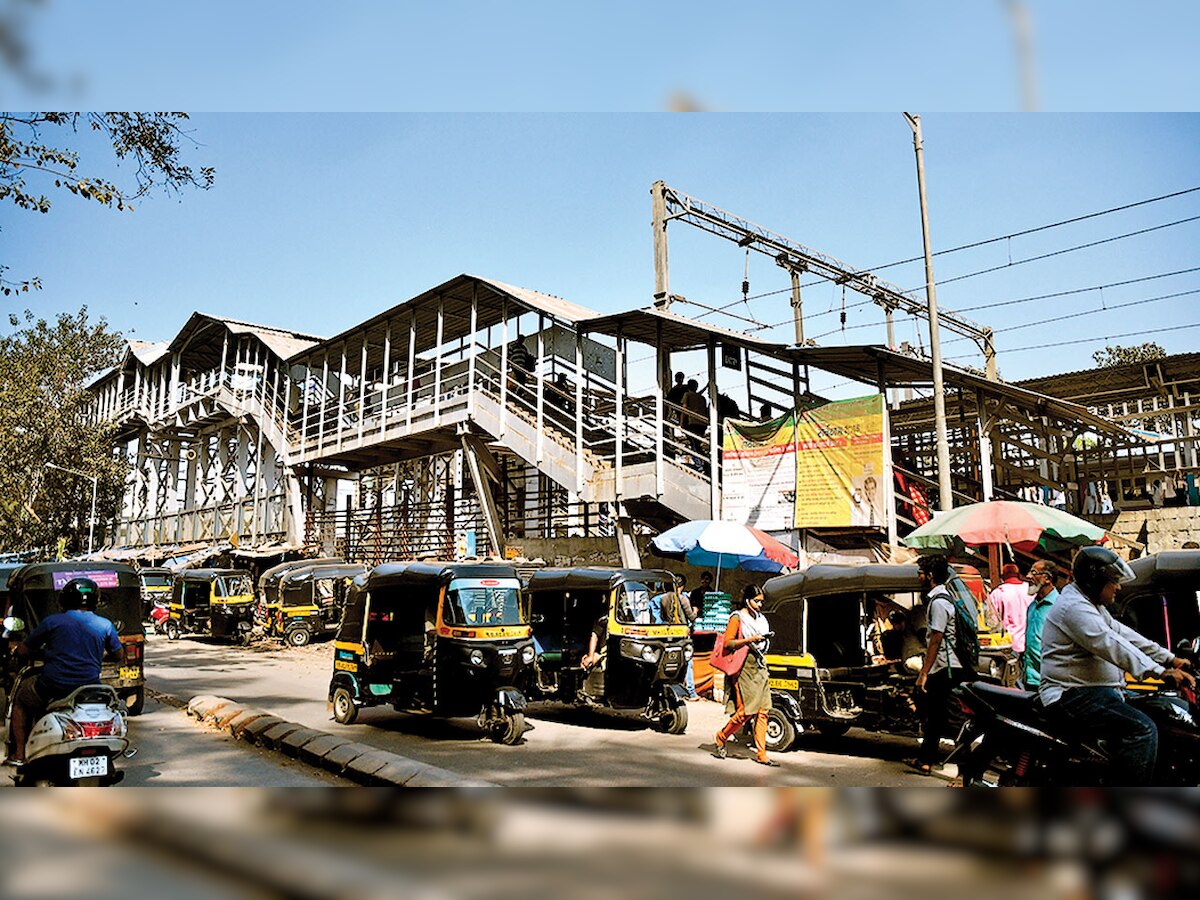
567	746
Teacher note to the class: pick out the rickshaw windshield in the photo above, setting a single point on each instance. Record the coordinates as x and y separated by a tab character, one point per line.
649	603
156	580
234	585
484	601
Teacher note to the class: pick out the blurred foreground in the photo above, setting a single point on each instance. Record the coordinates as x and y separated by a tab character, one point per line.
582	843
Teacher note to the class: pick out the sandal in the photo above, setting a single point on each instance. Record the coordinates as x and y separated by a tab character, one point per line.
767	762
719	749
921	768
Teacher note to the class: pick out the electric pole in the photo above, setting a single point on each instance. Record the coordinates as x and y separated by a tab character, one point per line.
935	345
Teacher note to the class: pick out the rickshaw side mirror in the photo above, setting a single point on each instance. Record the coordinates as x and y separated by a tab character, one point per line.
12	624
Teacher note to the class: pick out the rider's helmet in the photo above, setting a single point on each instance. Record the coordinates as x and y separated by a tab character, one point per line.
1095	567
79	593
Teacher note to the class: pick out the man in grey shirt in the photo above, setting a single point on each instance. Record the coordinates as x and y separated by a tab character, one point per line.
1085	653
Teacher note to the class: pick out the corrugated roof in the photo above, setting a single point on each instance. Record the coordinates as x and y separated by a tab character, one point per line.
455	296
673	332
148	352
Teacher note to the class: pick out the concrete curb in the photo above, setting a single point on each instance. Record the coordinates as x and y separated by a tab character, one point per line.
346	758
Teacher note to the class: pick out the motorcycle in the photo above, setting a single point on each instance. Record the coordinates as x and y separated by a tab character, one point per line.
159	614
1009	740
77	741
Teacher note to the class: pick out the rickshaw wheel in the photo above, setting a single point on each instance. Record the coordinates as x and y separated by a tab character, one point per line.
344	710
511	730
172	630
139	702
675	721
781	733
299	637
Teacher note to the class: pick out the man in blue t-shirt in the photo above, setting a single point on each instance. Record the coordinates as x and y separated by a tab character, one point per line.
74	644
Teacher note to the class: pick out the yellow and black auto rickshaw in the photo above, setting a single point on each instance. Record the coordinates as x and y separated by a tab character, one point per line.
266	611
311	599
847	646
642	638
33	595
1161	603
446	639
216	602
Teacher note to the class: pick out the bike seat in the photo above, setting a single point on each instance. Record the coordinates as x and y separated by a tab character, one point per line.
1008	701
90	693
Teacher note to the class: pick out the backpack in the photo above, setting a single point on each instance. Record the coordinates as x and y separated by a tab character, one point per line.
966	634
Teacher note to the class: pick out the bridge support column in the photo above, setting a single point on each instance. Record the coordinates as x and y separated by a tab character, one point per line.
626	539
482	464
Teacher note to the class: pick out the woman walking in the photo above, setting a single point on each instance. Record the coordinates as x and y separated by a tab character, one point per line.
748	693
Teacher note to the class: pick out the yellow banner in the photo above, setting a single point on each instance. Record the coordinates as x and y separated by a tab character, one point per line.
759	468
839	465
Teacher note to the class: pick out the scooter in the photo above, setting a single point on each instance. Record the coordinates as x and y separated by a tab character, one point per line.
78	740
159	614
1009	740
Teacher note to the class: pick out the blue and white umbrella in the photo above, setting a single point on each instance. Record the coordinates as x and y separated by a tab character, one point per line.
724	545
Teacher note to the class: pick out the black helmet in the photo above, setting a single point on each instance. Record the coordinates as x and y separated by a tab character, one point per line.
1095	567
79	593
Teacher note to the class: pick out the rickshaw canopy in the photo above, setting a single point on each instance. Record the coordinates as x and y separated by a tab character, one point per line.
592	578
319	571
38	586
827	579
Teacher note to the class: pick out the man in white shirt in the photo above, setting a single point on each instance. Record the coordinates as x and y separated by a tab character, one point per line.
1085	653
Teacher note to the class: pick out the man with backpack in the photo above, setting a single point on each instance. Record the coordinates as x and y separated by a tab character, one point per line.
949	658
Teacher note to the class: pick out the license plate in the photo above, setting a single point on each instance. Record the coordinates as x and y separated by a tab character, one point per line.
130	673
88	766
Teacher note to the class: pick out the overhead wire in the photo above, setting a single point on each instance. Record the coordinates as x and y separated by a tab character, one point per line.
997	239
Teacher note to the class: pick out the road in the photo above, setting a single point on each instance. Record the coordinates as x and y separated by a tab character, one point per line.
567	747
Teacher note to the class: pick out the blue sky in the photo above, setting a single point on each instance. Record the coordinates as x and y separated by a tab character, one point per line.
320	221
619	55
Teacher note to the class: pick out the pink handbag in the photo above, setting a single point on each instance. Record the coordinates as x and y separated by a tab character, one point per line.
728	661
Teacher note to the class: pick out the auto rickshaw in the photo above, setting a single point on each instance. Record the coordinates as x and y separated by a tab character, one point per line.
33	595
1163	601
435	638
646	648
267	606
156	585
216	602
311	599
830	665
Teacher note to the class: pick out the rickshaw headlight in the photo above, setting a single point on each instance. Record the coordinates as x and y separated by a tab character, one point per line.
527	655
476	657
651	653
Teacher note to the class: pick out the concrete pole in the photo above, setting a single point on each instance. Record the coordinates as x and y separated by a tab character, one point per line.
662	280
935	346
797	306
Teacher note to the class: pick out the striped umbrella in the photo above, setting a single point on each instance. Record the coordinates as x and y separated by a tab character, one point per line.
724	545
1021	525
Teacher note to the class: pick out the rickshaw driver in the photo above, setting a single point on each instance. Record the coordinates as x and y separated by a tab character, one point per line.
75	643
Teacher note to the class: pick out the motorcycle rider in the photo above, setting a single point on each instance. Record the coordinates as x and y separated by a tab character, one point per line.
1084	655
74	642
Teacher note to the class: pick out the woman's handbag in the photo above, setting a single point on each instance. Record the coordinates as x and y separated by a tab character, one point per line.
728	661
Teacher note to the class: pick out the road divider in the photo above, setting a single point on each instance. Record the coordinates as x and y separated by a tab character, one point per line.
358	762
